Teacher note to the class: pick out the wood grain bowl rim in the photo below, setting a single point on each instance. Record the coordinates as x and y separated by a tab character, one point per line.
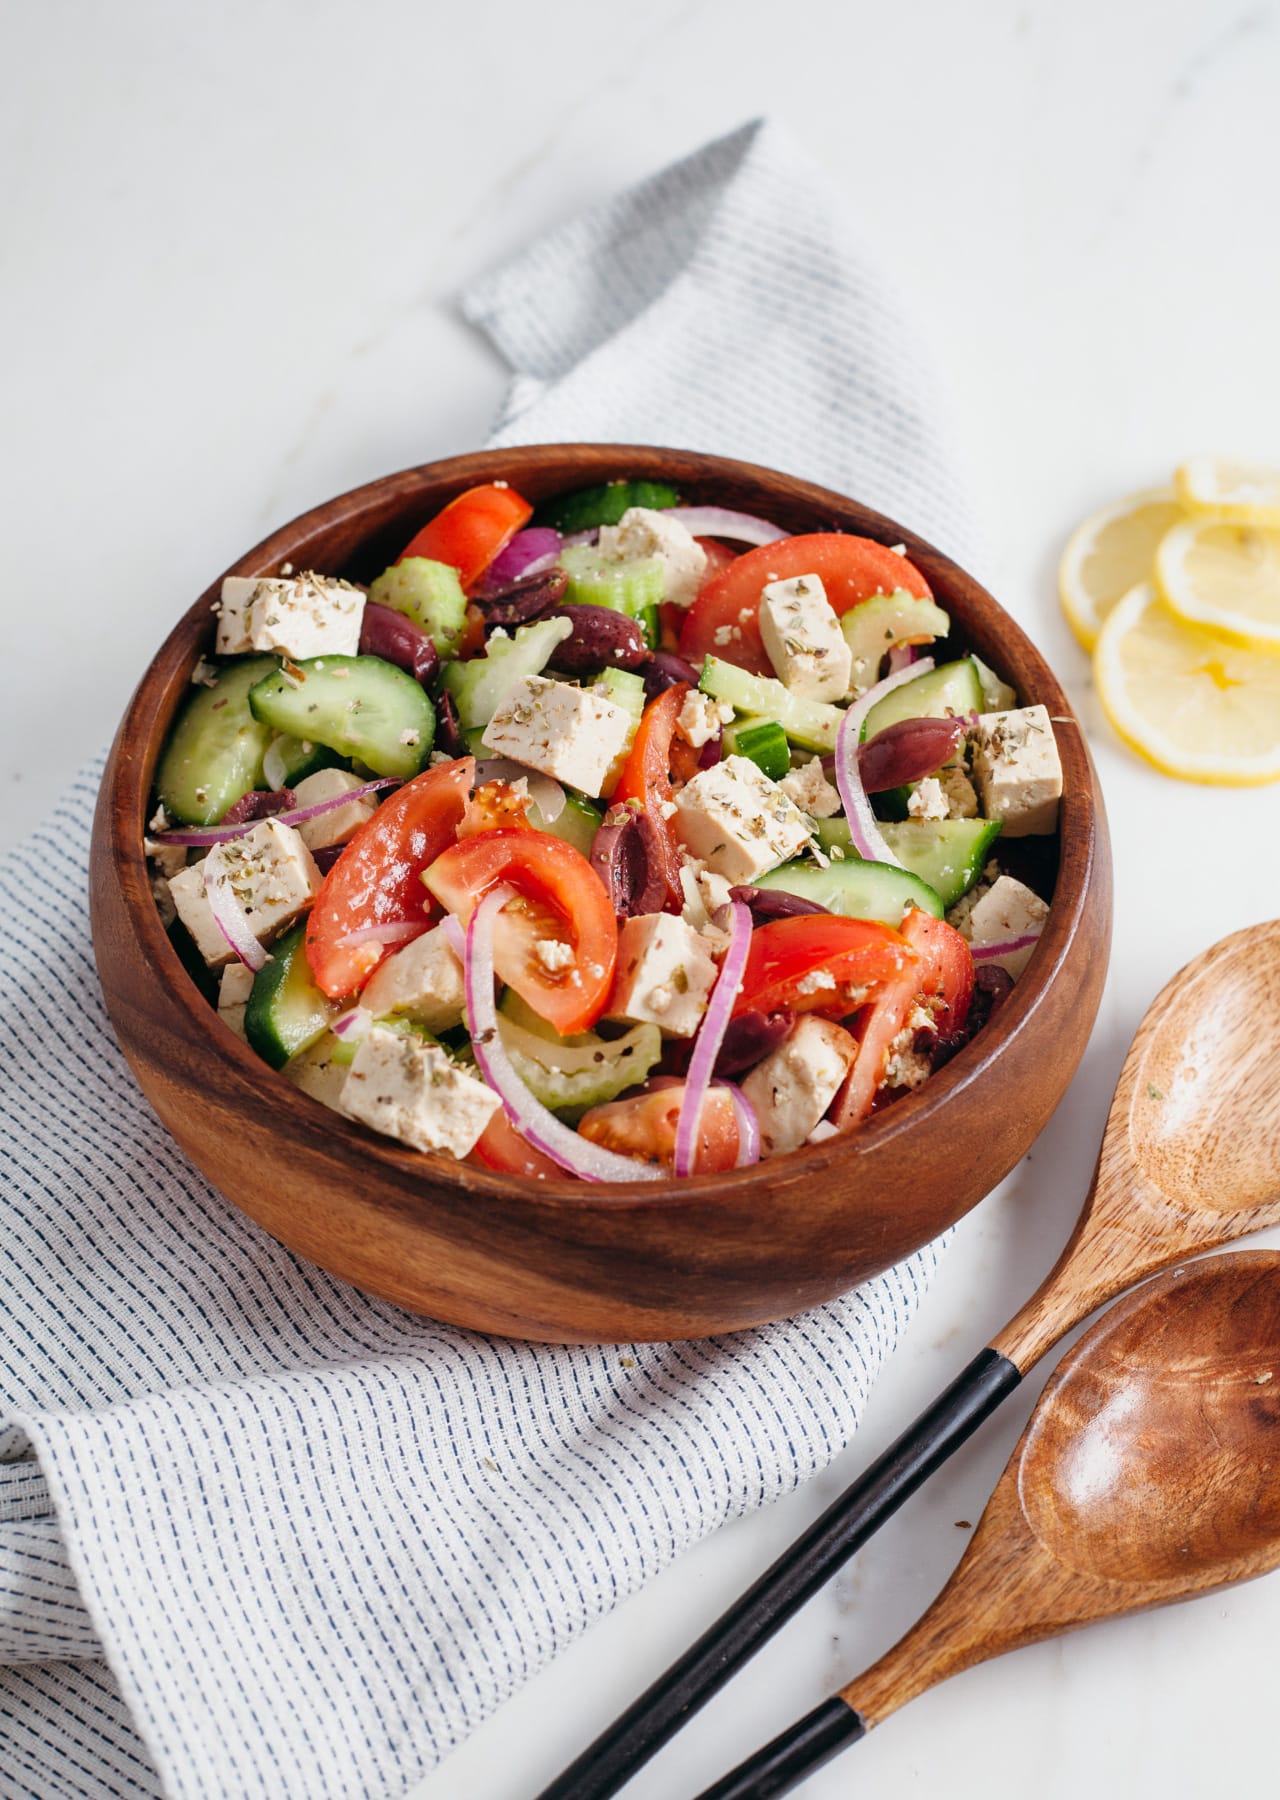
166	678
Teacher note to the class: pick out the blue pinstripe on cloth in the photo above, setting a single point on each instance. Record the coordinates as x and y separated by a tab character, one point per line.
259	1534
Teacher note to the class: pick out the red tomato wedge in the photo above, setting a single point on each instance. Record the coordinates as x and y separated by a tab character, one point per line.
644	1125
495	807
560	899
820	962
724	620
501	1146
377	879
646	775
471	530
941	984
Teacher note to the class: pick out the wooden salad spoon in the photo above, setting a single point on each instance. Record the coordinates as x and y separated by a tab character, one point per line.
1149	1472
1190	1159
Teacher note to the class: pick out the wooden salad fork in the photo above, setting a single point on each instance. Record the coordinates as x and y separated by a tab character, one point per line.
1149	1472
1190	1159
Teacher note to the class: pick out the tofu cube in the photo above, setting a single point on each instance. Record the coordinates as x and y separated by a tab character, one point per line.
273	875
421	982
572	734
812	792
299	615
803	639
738	822
665	973
233	995
796	1083
340	822
316	1073
644	531
1017	770
410	1089
1006	912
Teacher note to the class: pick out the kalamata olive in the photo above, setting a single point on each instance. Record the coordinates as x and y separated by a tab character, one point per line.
750	1036
663	670
710	755
251	807
601	639
907	751
627	856
525	599
772	903
388	634
326	856
449	738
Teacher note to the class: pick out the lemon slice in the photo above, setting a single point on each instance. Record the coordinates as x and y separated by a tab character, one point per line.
1224	577
1107	555
1237	493
1187	701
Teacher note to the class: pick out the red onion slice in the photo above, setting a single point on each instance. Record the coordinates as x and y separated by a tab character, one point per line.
710	1036
395	931
230	917
547	795
225	834
354	1022
533	1120
455	937
985	952
748	1126
528	553
720	522
901	657
863	829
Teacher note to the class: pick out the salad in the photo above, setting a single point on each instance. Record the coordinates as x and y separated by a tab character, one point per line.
618	839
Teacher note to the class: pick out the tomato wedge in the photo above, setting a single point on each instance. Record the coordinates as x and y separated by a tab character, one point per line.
644	1125
500	1146
724	620
496	806
646	776
471	530
560	899
820	962
940	984
376	880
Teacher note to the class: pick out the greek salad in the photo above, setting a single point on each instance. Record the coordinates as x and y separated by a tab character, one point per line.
617	838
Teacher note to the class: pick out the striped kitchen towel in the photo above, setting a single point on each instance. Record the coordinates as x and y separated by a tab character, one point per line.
261	1535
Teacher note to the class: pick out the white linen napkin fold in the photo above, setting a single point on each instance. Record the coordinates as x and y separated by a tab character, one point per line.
261	1535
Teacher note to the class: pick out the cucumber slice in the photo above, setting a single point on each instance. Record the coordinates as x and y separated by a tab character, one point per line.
571	1075
298	758
761	741
634	588
215	751
857	890
627	691
810	723
286	1011
954	688
577	824
948	854
360	706
874	626
478	685
430	594
997	695
588	508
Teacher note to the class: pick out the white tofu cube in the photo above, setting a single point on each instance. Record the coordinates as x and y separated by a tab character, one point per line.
796	1083
700	718
644	531
410	1089
1017	770
340	822
803	639
572	734
422	982
739	822
233	995
316	1073
1006	912
299	615
273	876
808	786
665	973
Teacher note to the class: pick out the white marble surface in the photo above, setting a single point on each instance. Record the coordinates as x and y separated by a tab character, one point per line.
231	238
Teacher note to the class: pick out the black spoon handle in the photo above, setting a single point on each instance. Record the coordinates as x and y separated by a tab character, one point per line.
787	1759
782	1590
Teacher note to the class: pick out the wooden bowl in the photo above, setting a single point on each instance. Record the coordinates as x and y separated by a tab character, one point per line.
575	1262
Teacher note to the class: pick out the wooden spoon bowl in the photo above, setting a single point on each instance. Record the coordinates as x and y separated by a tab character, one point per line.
568	1261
